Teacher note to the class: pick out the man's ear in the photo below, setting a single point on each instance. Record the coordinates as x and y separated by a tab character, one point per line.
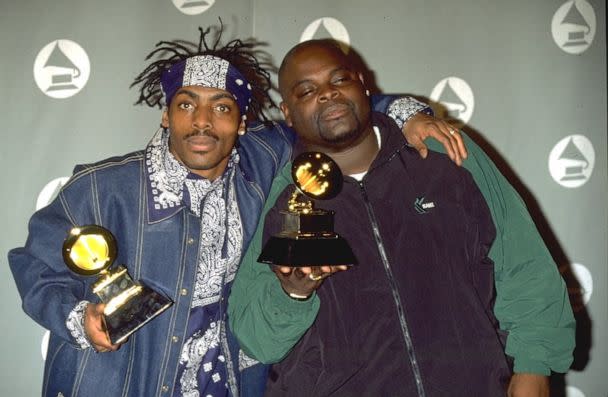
164	122
242	127
285	111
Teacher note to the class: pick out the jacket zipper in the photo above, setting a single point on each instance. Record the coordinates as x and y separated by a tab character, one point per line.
396	297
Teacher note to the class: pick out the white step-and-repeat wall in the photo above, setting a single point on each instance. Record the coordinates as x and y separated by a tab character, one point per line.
527	79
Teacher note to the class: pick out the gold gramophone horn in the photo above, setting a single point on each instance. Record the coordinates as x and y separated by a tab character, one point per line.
89	250
317	175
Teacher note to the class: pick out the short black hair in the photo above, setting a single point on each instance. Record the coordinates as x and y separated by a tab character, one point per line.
243	55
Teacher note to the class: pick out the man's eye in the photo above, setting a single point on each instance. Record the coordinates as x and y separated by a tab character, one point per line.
341	79
185	105
305	93
223	108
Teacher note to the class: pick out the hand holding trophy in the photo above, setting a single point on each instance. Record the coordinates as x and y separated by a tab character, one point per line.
91	250
307	238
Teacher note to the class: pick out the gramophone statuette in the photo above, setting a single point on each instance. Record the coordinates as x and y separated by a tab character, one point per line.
307	237
91	250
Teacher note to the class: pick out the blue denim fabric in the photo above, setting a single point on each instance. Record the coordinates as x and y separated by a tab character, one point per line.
161	253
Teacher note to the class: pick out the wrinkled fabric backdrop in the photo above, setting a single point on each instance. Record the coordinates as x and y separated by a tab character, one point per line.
526	79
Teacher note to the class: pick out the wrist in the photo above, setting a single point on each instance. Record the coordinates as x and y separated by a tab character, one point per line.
403	109
297	296
531	366
76	324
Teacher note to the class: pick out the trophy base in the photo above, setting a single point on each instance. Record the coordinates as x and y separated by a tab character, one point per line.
313	251
135	313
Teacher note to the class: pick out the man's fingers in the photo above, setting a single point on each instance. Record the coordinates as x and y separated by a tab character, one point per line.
95	329
419	145
443	136
298	272
456	138
462	149
99	308
285	270
423	151
314	273
306	270
105	348
453	136
322	272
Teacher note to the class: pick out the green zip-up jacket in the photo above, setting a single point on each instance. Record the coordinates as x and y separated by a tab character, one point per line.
532	303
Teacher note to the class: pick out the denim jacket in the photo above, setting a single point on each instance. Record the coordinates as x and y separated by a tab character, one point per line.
160	251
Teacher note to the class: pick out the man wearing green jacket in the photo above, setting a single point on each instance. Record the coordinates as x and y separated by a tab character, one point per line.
531	305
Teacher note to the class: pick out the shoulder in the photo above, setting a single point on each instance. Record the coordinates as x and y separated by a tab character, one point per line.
272	133
116	166
265	146
441	161
437	169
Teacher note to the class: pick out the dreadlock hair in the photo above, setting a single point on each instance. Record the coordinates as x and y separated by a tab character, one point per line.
240	54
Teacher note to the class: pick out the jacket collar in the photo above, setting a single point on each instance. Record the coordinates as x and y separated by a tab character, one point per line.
391	137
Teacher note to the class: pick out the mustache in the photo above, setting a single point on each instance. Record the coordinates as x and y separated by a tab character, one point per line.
207	133
330	106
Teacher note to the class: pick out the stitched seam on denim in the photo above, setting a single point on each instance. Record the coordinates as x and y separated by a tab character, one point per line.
91	169
268	148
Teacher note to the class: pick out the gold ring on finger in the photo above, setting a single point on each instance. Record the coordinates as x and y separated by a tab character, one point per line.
316	278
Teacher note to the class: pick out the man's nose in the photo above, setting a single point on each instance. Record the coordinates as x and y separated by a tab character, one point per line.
327	93
202	119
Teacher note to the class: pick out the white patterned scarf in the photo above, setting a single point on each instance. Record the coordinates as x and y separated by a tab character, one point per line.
203	361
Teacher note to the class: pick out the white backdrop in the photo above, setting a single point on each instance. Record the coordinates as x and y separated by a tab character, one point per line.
526	79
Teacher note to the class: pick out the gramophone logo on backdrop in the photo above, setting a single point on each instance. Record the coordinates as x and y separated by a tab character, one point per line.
327	27
585	280
61	69
453	100
193	7
571	161
573	26
572	391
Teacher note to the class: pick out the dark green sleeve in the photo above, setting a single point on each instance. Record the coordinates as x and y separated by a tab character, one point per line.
266	322
532	303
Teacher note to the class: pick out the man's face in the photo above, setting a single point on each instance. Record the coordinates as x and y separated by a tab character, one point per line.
203	123
323	99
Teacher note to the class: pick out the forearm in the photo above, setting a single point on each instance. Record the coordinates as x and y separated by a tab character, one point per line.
264	319
266	322
532	305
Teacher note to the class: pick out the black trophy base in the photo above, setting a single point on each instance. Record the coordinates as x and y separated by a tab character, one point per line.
135	313
314	251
